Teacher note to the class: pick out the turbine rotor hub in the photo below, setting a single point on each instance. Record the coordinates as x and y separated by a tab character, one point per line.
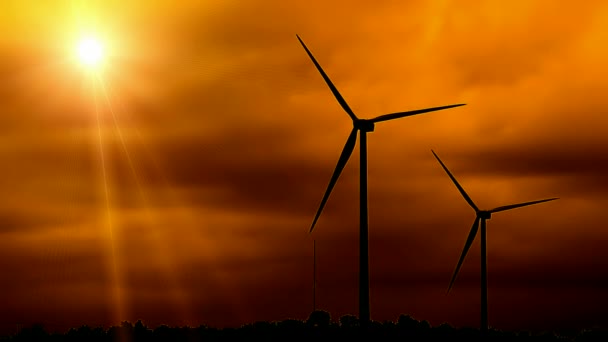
485	215
364	125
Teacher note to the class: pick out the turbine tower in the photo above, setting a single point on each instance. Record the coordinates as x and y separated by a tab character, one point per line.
481	216
314	276
363	126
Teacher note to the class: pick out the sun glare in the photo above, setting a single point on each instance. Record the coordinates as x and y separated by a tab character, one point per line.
90	52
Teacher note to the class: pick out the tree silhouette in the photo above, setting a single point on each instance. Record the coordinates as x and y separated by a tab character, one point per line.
319	318
86	333
349	321
32	333
317	327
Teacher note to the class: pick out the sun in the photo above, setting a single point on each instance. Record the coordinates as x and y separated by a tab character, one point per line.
90	52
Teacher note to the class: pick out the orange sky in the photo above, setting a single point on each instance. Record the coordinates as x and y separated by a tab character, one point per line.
219	138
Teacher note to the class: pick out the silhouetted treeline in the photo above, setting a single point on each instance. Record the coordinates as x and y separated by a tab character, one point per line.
318	326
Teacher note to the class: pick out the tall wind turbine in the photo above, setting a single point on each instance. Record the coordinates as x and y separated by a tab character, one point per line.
481	215
363	126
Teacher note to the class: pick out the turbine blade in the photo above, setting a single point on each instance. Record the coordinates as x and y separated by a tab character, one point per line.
333	88
462	192
467	245
346	152
519	205
410	113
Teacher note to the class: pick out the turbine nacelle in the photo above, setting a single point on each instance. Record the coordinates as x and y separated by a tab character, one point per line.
483	214
364	125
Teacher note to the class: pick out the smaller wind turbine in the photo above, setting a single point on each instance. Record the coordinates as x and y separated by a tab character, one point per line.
481	215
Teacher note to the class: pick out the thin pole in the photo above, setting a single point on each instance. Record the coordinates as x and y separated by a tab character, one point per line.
484	281
364	315
314	275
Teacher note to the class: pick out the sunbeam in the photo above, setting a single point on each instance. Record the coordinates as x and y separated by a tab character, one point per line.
164	258
184	212
117	283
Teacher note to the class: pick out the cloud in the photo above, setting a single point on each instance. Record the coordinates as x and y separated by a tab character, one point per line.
228	136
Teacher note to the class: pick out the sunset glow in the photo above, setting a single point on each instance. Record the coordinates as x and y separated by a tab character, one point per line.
164	161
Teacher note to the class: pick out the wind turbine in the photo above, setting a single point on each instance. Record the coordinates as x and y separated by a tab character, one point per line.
363	126
481	215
